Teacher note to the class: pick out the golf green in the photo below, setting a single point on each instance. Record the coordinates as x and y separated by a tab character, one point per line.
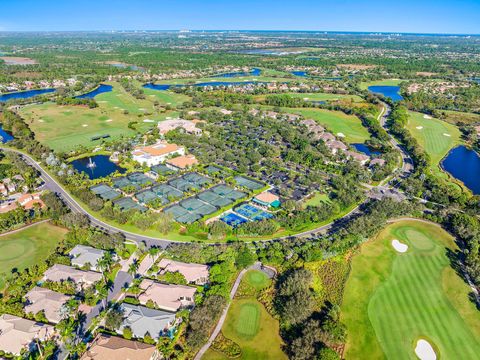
393	299
27	247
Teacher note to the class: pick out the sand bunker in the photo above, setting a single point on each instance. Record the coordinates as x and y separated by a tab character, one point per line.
41	120
400	247
447	135
84	125
109	120
427	116
305	98
419	127
425	351
148	121
342	135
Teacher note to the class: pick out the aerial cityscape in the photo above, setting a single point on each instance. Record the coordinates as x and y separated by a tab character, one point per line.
205	180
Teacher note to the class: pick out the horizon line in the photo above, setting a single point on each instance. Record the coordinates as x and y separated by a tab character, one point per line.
243	30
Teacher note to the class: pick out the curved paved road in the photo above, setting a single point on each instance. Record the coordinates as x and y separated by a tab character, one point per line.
53	185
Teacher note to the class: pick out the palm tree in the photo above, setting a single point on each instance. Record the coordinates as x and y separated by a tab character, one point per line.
153	251
133	267
105	263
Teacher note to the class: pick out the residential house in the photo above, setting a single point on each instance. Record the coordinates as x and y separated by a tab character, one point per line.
335	145
377	162
82	255
361	158
155	154
50	302
267	199
182	162
142	320
28	201
17	333
81	278
193	273
226	112
326	137
169	297
189	126
107	347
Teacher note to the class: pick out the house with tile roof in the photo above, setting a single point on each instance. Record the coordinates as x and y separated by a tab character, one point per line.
50	302
82	255
142	320
168	297
17	334
193	273
82	279
155	154
108	347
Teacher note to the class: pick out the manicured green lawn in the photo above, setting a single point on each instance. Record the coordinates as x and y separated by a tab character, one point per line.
431	134
336	122
324	96
317	199
251	326
27	247
166	97
64	128
392	299
386	82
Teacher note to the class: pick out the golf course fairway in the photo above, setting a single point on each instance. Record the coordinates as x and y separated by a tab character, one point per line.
394	299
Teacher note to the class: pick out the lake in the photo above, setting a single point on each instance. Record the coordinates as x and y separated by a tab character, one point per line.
99	90
365	149
103	166
253	72
25	94
464	164
392	92
5	136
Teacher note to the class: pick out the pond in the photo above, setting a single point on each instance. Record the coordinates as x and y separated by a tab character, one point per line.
253	72
102	166
5	136
99	90
299	73
365	149
464	165
25	94
392	92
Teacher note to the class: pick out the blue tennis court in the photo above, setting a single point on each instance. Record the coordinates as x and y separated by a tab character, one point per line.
233	220
252	212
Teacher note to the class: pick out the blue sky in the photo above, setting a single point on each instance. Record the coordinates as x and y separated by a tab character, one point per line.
426	16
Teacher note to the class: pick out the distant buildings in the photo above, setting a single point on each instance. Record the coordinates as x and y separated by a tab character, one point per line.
155	154
193	273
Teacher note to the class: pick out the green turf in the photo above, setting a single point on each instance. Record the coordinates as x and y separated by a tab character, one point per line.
317	199
325	97
64	128
257	279
336	122
391	299
250	325
27	247
386	82
431	137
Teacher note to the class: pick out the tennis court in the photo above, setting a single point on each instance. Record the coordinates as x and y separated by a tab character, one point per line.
252	212
105	192
146	196
127	203
162	169
233	219
248	183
